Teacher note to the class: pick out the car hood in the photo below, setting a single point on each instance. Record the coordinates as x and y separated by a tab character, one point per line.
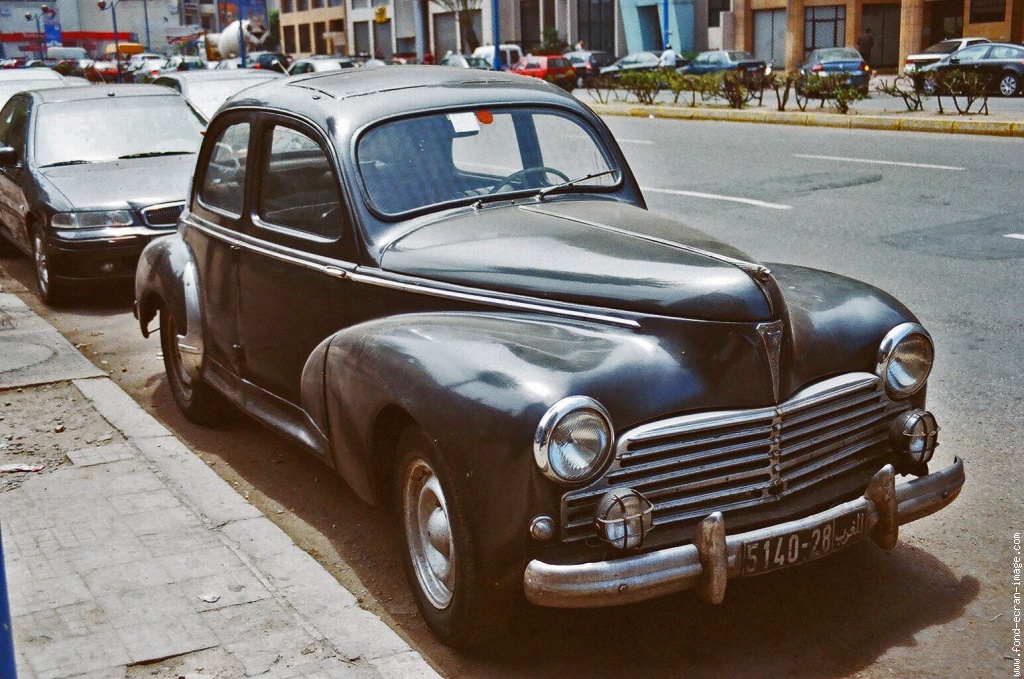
135	182
592	252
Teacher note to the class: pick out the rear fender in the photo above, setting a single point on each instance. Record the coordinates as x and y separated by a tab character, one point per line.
167	278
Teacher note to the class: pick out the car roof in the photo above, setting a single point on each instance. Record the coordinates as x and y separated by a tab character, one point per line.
64	94
33	73
256	75
340	99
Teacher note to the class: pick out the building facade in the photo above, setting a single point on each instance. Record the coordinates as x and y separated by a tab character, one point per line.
784	31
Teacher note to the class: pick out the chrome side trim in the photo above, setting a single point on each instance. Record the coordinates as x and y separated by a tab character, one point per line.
191	344
419	288
646	576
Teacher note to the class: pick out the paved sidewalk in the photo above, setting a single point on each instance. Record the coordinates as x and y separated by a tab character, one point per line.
127	556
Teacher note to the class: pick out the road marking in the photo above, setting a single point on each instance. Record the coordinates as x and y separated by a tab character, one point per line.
1018	236
843	159
715	196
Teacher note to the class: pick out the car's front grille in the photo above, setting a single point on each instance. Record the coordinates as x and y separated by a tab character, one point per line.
693	465
162	216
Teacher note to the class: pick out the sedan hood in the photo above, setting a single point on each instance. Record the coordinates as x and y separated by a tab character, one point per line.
592	252
135	182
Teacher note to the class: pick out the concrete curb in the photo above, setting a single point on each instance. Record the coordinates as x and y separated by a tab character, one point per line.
318	601
865	121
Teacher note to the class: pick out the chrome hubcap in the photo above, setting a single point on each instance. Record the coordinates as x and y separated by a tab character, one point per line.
42	271
1008	86
428	532
174	356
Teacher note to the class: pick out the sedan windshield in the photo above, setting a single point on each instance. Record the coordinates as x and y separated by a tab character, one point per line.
485	154
102	130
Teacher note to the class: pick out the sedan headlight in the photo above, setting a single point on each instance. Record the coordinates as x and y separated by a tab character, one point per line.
92	220
905	359
573	440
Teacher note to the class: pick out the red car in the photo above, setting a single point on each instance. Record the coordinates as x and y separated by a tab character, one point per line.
554	69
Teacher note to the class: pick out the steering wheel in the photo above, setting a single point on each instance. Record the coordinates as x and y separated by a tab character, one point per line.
520	175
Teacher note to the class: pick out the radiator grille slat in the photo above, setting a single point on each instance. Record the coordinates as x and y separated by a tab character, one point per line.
163	216
693	465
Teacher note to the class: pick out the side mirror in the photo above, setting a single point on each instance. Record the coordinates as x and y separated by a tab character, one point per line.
8	157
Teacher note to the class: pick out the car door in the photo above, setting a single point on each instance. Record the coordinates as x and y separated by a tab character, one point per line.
967	60
1001	59
14	201
217	225
292	272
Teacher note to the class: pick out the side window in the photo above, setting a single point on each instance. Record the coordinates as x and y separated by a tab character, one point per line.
298	189
224	180
14	126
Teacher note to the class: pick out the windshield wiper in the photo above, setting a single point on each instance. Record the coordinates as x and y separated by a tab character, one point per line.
154	154
68	162
594	175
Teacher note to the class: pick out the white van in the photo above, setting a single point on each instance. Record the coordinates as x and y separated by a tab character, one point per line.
510	54
61	53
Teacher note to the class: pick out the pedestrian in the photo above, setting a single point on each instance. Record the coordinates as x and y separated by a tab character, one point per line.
579	45
865	43
668	58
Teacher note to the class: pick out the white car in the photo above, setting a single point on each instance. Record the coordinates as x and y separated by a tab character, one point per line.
935	53
319	64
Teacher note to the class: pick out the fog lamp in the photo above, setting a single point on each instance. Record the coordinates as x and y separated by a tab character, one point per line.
624	518
915	434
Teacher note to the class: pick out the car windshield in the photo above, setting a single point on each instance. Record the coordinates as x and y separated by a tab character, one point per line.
839	54
944	47
440	158
741	56
101	130
477	62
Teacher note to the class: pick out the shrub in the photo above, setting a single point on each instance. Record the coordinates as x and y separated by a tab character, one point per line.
908	87
968	86
643	85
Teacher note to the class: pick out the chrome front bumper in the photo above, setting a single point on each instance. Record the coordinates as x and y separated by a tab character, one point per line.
713	558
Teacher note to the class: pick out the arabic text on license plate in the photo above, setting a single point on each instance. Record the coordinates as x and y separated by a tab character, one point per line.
803	545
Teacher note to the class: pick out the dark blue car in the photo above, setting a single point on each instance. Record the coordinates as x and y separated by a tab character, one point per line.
833	60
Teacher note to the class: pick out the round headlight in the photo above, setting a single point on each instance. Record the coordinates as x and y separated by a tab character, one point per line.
573	439
905	359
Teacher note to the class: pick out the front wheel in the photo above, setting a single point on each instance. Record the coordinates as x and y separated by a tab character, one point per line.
51	290
196	399
1009	84
437	548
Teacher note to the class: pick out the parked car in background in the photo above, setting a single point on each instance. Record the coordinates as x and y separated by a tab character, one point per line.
462	61
937	51
143	60
83	199
446	284
207	90
19	80
588	63
269	61
557	70
638	61
510	55
1000	64
842	61
319	64
717	61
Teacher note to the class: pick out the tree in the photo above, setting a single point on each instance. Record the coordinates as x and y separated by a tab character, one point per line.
464	15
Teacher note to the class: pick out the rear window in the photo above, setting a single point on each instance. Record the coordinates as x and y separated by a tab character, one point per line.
944	47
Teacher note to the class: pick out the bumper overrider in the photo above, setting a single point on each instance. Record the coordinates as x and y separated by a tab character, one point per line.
713	558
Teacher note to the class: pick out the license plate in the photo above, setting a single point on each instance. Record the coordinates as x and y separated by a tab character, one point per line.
806	544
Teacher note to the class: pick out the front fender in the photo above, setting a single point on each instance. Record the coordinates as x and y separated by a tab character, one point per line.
478	385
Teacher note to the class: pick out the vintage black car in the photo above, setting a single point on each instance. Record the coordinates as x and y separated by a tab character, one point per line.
446	284
90	175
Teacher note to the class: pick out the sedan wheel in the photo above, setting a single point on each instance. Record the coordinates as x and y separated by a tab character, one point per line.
1008	84
50	290
428	530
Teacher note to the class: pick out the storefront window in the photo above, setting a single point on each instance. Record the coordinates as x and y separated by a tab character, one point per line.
824	27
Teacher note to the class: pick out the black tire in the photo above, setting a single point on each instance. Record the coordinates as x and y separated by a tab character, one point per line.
195	398
1009	84
438	555
51	288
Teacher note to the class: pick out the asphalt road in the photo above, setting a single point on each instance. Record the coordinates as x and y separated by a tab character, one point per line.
923	216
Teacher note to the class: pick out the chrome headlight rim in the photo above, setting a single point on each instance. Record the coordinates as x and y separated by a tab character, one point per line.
887	351
92	219
549	423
